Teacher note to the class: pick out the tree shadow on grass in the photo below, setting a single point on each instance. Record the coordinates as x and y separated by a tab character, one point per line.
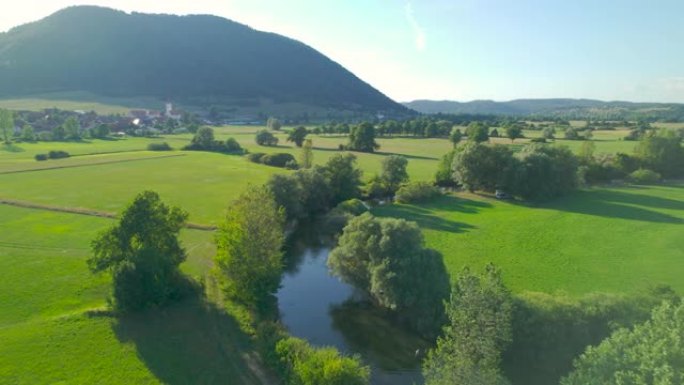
191	342
622	205
425	215
408	156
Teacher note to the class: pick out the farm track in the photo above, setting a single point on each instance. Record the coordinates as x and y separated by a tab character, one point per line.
88	212
90	164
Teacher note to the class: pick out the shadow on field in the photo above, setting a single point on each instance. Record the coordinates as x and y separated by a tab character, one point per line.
11	148
191	342
407	156
425	217
616	204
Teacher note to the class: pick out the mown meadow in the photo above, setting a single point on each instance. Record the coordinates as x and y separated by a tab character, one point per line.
54	323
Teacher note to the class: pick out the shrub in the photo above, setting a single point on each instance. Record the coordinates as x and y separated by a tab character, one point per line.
58	154
41	157
538	140
644	176
280	159
255	157
415	192
302	364
163	146
352	206
232	146
265	138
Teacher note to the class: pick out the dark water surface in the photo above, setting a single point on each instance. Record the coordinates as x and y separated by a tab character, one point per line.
327	312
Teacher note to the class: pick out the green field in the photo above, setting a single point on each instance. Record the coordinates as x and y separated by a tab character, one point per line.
54	326
604	239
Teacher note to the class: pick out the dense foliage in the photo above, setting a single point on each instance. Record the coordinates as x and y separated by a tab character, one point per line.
649	354
343	177
393	172
386	259
417	192
302	364
248	243
479	329
161	146
362	138
265	138
203	140
297	135
142	252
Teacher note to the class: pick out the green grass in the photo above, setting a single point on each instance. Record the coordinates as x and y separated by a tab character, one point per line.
603	239
54	330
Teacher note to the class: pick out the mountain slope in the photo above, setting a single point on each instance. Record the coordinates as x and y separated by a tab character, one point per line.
562	108
200	59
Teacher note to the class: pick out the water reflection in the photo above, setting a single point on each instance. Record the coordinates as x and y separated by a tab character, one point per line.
325	311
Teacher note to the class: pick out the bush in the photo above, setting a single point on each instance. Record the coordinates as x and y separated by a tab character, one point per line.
163	146
58	154
265	138
41	157
352	206
280	159
255	157
232	146
538	140
644	176
302	364
415	192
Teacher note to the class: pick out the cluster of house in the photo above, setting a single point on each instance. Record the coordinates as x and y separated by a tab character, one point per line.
149	117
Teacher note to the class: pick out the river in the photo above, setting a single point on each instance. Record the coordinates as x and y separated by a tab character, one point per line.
318	307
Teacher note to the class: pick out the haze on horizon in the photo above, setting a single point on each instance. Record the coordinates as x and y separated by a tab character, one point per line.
466	49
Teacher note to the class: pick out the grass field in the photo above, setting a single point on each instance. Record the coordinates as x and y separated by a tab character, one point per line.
53	323
604	239
54	330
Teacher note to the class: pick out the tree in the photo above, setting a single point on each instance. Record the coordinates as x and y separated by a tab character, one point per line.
478	166
650	353
455	136
479	329
27	133
297	135
142	252
273	124
477	132
513	132
543	172
306	156
203	138
6	124
548	133
571	134
362	138
315	191
265	138
443	176
248	244
72	128
101	131
343	177
386	258
287	193
662	152
394	172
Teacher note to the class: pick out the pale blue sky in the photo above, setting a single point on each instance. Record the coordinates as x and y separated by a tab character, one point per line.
465	49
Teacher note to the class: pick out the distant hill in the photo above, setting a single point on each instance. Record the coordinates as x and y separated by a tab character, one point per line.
199	60
561	108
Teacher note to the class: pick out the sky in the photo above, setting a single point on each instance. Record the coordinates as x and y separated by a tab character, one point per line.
464	49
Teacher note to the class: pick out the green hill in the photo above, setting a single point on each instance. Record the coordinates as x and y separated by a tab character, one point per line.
197	60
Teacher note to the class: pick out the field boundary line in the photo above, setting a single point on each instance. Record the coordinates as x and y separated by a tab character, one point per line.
88	212
90	164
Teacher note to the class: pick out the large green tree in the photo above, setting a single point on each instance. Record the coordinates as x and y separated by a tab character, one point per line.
142	252
344	177
249	243
265	138
478	331
297	135
72	128
543	172
482	167
362	138
386	258
662	152
649	354
477	132
393	172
